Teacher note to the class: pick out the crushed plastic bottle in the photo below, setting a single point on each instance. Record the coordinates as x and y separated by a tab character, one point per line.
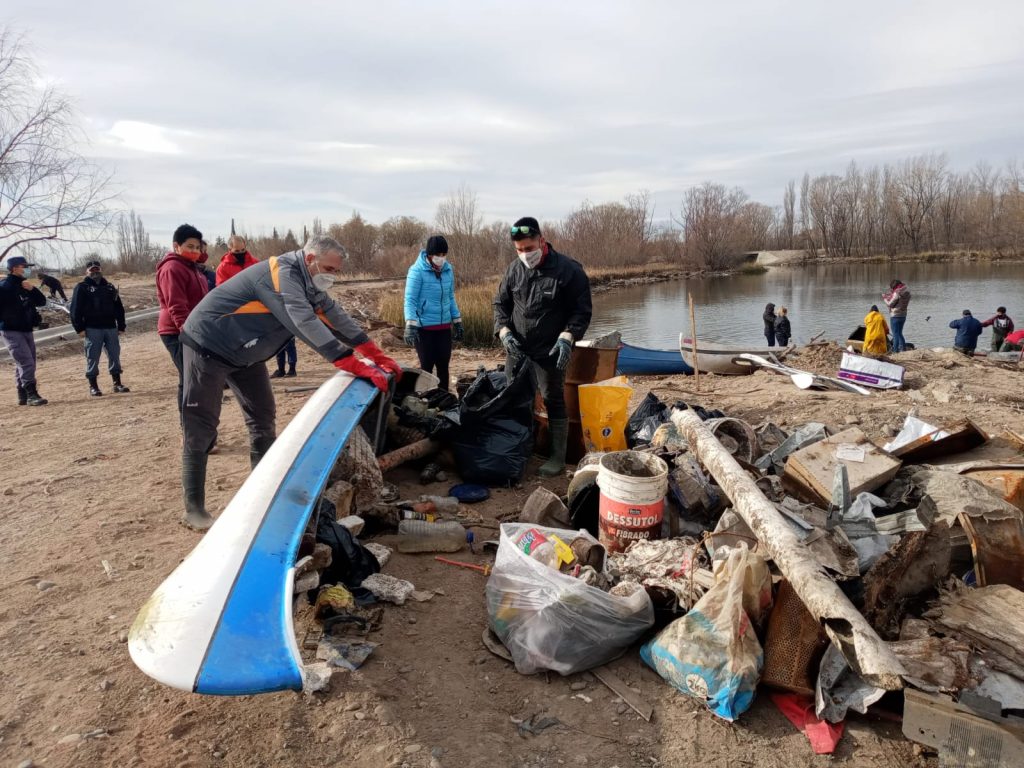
423	536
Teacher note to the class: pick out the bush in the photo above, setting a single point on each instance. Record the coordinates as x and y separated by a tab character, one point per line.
476	303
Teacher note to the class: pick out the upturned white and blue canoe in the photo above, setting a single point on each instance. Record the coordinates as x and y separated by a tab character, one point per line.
221	623
640	361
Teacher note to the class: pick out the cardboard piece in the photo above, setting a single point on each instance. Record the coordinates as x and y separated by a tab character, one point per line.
810	471
955	438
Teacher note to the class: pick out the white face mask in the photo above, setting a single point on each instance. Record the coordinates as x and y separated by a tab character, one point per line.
438	261
532	258
322	281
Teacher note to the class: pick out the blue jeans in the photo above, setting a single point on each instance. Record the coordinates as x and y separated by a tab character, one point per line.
896	323
95	340
289	353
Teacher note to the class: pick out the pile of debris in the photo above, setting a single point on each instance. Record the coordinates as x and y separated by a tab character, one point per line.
820	565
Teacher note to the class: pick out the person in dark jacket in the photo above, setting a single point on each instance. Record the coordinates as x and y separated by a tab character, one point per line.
237	327
783	331
1002	326
54	286
98	314
968	329
180	286
769	323
542	308
432	318
18	315
208	272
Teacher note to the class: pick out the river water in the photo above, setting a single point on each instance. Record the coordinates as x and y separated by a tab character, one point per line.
825	297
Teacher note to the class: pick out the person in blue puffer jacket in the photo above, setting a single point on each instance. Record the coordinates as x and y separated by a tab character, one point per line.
432	317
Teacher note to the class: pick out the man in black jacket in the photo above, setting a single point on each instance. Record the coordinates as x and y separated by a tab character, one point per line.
18	314
542	307
98	314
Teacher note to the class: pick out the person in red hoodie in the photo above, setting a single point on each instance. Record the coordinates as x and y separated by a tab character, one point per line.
180	286
235	260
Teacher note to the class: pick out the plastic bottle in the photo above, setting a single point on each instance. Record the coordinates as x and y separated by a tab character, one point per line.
421	536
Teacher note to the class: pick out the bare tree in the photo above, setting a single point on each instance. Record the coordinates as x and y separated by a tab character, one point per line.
710	218
789	214
918	186
135	252
49	193
457	214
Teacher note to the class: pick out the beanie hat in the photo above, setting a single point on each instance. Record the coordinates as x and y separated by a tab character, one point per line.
967	312
436	245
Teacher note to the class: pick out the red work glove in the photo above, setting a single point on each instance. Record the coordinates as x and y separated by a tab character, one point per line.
373	352
351	364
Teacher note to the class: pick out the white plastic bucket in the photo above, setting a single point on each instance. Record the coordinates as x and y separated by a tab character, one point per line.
632	498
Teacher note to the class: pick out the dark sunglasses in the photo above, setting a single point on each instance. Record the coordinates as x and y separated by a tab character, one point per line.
524	230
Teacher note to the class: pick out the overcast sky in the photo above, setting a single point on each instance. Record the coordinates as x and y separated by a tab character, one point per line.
274	113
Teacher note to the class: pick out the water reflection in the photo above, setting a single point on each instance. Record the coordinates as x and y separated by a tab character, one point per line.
830	298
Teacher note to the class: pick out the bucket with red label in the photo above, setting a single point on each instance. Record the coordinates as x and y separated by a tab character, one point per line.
632	498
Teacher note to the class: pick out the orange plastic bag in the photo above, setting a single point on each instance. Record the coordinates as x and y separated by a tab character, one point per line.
604	413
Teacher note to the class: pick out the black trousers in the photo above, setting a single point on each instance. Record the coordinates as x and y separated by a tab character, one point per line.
434	350
174	347
550	384
205	378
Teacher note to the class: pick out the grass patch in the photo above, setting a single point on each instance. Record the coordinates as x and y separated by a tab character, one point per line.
476	303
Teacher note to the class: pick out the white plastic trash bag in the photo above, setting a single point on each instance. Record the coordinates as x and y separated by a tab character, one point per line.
549	620
712	653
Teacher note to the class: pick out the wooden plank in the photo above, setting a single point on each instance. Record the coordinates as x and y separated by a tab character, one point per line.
626	693
813	467
963	436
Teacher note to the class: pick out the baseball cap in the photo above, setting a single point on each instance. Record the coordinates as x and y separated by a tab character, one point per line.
18	261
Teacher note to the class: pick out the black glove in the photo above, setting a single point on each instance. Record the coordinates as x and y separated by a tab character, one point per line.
458	332
562	348
412	334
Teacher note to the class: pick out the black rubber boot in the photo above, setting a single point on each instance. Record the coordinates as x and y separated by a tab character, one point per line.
555	465
22	396
118	386
193	483
32	395
94	387
258	449
277	374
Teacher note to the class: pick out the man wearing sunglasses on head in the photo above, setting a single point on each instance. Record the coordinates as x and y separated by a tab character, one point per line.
244	322
542	308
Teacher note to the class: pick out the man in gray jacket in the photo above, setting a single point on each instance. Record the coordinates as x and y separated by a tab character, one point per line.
242	323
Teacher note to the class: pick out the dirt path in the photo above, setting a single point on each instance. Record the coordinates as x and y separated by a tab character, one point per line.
93	479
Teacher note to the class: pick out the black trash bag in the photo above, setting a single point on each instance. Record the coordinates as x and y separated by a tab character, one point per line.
648	416
494	440
351	562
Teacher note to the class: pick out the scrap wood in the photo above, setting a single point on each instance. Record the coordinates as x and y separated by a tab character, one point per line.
917	563
617	686
847	628
418	450
935	664
989	618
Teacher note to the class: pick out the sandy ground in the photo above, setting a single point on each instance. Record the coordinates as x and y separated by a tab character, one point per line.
93	479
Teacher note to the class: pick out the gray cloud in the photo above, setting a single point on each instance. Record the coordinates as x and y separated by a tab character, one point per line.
276	113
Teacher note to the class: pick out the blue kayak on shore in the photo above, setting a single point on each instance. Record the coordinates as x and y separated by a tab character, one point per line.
640	361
